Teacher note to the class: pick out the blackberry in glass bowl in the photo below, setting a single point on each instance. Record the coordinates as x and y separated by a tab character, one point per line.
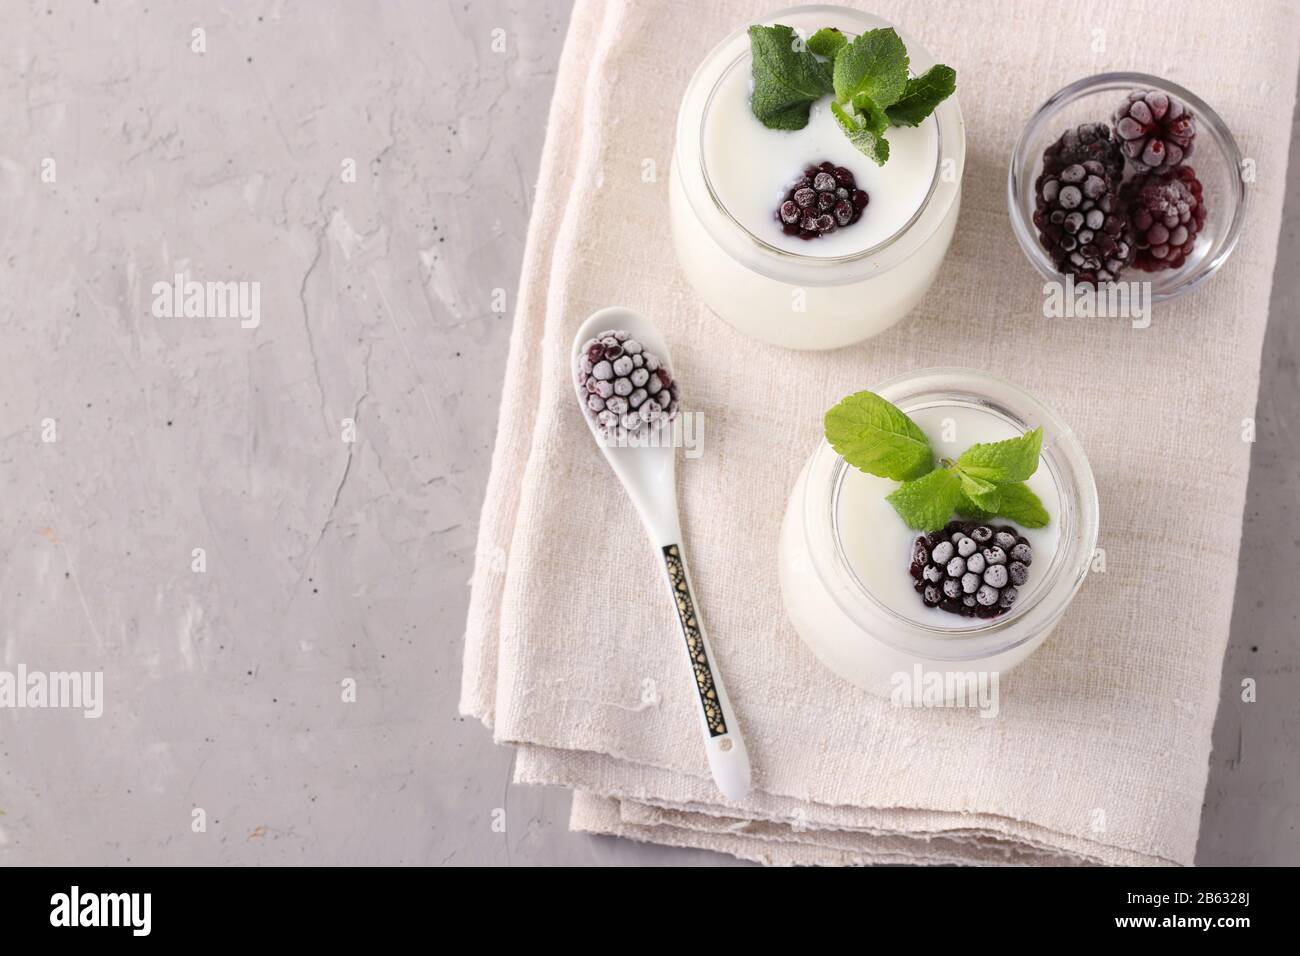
1065	130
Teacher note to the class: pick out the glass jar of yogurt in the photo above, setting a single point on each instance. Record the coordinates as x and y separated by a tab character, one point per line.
730	172
845	553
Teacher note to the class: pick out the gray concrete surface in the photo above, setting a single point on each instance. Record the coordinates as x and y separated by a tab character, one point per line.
129	439
1252	800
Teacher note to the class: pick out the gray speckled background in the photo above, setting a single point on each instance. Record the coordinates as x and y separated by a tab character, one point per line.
329	560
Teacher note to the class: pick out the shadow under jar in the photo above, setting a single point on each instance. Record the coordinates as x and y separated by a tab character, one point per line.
730	173
844	553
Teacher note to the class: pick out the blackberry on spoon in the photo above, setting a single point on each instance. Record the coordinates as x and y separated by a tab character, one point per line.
626	385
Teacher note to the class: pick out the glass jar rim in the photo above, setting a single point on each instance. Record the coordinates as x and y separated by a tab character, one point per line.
792	267
1063	455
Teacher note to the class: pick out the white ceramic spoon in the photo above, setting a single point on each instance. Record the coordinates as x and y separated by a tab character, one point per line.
648	475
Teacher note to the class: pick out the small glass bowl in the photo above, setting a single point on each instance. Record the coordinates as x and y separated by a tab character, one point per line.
1215	157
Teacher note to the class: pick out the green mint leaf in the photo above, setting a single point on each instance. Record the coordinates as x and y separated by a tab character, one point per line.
864	139
1015	502
874	436
982	492
827	42
788	79
869	115
922	95
793	117
1022	506
969	509
1003	461
875	63
926	503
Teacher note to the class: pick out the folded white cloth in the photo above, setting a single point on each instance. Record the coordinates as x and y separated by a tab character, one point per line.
1100	750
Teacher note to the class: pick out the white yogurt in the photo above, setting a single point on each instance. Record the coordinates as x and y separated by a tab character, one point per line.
751	168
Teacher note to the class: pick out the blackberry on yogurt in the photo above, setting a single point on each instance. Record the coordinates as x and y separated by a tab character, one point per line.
825	198
627	386
970	568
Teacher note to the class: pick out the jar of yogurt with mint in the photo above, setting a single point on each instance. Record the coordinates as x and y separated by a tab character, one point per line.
945	522
816	176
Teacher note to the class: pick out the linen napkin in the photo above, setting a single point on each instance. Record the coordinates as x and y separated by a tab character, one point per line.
1099	753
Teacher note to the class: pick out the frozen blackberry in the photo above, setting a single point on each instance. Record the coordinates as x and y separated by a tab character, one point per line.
627	388
994	555
1166	212
823	199
1091	141
1156	131
1080	222
964	569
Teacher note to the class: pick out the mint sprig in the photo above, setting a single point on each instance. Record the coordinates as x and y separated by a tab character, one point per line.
922	95
867	77
788	78
875	63
1015	502
985	482
871	434
827	42
927	502
865	129
1003	461
984	493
